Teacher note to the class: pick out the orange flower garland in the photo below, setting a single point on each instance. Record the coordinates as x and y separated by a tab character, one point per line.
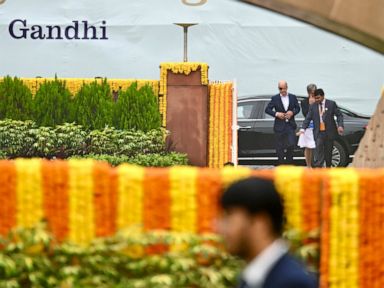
157	203
310	198
209	186
56	198
7	196
102	199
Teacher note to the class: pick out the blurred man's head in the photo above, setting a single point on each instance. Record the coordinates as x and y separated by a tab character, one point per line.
283	87
252	218
319	95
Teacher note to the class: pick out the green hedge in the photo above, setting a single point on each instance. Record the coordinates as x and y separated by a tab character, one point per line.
92	107
143	112
15	99
147	160
26	139
52	104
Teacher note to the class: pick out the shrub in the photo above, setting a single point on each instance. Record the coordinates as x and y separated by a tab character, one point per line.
17	138
52	104
32	258
92	105
147	160
15	99
137	109
125	142
159	160
26	139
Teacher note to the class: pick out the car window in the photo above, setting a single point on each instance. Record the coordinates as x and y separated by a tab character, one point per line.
265	115
300	115
244	110
260	109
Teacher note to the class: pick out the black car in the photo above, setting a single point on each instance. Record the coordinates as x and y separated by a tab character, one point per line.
256	140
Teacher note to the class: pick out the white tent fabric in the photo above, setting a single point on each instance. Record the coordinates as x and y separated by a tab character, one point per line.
253	45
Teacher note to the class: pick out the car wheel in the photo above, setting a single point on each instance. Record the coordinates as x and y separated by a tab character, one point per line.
339	155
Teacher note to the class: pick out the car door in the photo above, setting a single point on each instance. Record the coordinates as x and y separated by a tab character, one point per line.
255	132
245	120
264	126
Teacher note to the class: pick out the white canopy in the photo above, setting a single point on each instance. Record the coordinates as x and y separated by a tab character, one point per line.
255	46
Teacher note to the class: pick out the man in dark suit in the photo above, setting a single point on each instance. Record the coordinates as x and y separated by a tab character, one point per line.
323	113
284	106
252	225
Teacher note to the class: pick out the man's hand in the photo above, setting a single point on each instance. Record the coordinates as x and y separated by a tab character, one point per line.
289	115
280	115
340	130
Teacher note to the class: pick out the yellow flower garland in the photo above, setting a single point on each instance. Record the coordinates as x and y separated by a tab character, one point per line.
220	123
344	228
231	174
29	192
178	68
81	208
183	198
288	183
74	84
130	196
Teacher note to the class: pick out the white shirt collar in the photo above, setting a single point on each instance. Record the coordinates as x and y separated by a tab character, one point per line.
257	270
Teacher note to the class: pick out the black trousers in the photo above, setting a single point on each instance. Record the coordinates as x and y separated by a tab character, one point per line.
285	144
323	150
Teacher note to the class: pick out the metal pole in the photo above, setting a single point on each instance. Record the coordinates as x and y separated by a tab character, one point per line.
185	43
185	29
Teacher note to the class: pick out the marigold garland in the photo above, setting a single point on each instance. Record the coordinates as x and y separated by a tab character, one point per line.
157	205
178	68
232	174
183	198
130	196
103	199
8	196
29	192
288	183
371	249
81	208
209	187
220	124
344	228
311	184
56	197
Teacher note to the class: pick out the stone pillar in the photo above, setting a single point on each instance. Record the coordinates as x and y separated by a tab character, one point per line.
188	116
370	153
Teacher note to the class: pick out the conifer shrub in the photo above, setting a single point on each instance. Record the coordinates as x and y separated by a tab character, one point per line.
92	105
137	109
52	104
15	99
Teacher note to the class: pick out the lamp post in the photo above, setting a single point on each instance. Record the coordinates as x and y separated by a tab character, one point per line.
185	28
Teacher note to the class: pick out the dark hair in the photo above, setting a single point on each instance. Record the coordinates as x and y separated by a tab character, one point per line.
319	92
256	195
229	164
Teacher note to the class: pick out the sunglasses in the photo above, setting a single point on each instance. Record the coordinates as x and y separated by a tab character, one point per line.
281	88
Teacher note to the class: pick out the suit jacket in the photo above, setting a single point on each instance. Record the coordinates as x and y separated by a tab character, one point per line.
305	106
331	110
289	273
276	105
